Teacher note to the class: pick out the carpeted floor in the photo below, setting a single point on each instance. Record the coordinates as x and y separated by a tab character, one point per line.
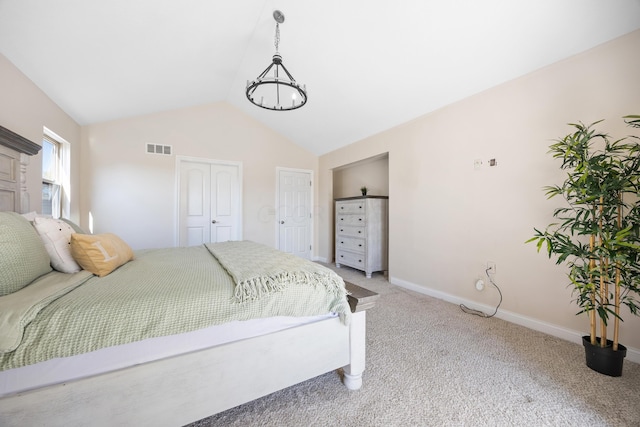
430	364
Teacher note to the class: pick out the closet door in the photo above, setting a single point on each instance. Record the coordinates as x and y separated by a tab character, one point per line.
209	202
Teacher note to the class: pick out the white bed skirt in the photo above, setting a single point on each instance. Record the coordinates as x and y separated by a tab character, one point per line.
109	359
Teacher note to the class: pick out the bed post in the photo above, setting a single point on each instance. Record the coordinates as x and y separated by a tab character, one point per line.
357	341
360	299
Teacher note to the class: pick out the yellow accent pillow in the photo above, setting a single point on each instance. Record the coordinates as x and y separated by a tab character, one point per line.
100	253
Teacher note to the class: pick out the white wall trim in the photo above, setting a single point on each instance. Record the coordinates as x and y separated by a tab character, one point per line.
633	354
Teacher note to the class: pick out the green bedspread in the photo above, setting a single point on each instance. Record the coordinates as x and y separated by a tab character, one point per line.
164	292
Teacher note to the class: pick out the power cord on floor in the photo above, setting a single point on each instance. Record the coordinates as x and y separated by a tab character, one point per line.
481	313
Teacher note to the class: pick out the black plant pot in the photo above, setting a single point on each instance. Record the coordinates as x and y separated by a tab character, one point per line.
603	359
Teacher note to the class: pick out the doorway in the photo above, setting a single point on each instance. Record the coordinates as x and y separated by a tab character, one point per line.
295	202
209	201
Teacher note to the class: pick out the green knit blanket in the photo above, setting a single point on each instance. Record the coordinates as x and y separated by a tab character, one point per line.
18	309
259	270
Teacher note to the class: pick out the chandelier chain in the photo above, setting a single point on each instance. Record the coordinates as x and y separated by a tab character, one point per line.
277	40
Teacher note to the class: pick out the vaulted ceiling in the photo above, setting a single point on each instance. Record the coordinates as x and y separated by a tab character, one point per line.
368	65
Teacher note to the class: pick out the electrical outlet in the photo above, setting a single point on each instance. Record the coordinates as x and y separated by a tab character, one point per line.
491	267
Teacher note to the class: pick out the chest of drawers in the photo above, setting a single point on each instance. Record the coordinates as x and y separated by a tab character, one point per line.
361	233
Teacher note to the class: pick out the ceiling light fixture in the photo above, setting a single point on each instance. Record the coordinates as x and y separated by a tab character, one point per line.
278	91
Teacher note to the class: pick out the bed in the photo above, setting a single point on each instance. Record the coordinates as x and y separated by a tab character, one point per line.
166	336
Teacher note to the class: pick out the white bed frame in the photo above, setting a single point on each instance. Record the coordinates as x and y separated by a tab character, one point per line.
182	389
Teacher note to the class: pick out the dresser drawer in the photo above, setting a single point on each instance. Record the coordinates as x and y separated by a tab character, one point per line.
351	244
350	207
350	220
350	230
350	259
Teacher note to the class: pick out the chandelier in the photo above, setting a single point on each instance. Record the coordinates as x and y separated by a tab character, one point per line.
277	91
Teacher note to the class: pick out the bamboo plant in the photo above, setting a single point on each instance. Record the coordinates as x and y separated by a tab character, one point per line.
598	230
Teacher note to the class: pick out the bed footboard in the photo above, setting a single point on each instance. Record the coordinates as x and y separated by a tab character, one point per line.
189	387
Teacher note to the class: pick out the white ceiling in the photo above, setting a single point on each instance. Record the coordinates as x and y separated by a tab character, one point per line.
368	65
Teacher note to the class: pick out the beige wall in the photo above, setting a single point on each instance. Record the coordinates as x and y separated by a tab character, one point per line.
448	219
26	110
132	193
371	173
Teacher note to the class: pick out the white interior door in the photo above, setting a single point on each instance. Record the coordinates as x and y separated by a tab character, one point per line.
225	195
209	201
295	201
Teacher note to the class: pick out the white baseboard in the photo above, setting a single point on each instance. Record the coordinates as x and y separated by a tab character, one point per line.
633	354
320	259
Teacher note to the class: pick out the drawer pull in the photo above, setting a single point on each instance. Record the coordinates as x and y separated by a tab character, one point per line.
359	219
360	245
359	231
341	229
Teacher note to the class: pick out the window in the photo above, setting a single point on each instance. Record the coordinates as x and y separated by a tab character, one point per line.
53	176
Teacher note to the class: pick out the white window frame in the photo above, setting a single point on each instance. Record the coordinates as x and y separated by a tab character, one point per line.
60	183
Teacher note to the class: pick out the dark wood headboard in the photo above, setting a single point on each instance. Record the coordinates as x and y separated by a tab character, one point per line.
14	152
18	143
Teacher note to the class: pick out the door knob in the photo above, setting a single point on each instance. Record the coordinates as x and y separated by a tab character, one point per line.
214	221
281	222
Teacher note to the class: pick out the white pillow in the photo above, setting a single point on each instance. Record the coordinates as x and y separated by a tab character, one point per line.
56	236
30	216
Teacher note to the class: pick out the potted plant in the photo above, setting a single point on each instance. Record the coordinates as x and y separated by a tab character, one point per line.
363	190
598	234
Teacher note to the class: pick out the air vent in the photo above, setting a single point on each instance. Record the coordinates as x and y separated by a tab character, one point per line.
159	149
